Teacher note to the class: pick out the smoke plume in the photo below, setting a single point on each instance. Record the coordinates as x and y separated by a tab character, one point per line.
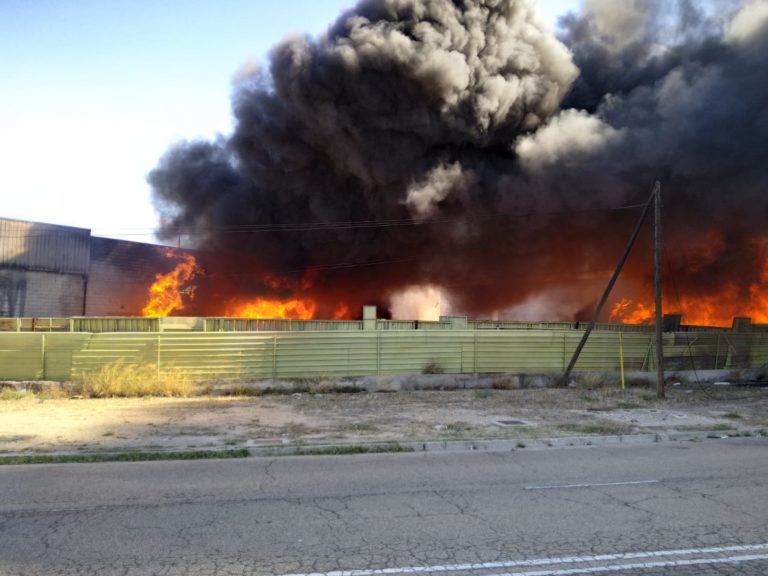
462	145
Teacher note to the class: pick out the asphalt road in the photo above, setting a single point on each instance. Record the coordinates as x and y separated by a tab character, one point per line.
683	509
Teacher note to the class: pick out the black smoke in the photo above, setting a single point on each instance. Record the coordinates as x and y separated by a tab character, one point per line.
461	144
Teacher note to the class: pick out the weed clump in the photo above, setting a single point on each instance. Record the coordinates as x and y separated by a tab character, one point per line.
121	380
506	383
592	428
352	449
432	367
13	394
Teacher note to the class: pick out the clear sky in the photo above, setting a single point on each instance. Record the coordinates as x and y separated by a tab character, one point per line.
93	92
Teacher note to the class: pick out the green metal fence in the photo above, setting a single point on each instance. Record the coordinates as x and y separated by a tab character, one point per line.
307	353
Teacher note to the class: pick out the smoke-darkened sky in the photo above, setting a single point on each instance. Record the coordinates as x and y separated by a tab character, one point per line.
94	92
465	146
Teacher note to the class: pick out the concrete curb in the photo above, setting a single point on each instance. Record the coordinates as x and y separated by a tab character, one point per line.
506	445
479	445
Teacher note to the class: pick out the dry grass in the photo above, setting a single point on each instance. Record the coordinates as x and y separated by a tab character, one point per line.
592	428
432	367
13	394
121	380
506	382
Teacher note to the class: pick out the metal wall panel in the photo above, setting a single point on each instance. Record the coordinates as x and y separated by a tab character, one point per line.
311	354
44	247
115	324
267	325
35	356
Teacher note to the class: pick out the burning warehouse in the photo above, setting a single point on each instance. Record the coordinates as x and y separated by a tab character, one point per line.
463	146
48	270
463	149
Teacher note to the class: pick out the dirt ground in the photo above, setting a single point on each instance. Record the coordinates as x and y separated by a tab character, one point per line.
34	425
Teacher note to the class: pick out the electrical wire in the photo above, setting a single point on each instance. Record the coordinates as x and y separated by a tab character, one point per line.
321	226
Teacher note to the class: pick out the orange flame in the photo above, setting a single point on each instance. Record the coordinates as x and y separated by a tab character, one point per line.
715	310
627	312
165	294
293	309
341	312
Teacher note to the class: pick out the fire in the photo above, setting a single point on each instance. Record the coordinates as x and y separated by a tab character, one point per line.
341	312
627	312
293	309
716	310
165	294
720	309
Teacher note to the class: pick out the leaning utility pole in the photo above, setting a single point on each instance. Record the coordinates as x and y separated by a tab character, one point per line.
608	288
657	288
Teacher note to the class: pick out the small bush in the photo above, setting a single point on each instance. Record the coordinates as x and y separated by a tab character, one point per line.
591	428
242	391
13	394
301	387
628	405
432	367
132	381
361	427
506	383
456	427
705	428
54	392
333	386
596	380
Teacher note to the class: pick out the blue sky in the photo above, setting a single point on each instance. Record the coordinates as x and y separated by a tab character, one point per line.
93	92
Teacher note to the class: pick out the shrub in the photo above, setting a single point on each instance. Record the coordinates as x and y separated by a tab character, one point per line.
120	379
432	367
506	383
13	394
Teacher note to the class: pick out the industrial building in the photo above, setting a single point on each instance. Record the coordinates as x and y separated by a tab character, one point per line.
48	270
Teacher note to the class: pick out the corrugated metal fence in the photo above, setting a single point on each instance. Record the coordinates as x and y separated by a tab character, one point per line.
251	355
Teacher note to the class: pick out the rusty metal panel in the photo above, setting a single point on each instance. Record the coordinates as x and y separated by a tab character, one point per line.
44	247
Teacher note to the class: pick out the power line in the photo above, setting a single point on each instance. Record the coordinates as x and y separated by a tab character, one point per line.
322	226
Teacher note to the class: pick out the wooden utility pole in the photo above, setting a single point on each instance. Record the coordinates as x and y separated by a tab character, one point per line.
608	288
657	288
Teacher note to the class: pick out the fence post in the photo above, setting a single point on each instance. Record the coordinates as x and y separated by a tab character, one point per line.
158	356
274	358
717	353
42	357
565	335
621	359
